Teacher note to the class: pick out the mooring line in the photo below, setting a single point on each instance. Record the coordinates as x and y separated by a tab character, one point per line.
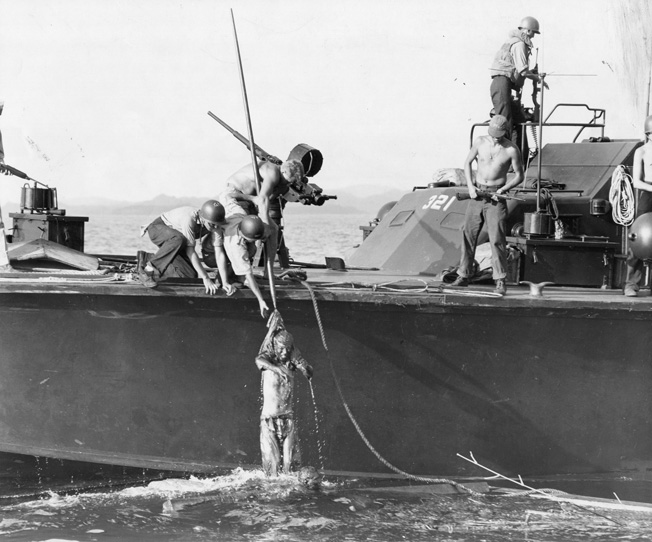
355	422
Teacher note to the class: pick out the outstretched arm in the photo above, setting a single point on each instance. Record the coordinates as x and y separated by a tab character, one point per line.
250	281
210	286
220	258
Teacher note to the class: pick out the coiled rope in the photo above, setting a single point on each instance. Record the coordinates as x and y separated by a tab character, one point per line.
355	422
621	197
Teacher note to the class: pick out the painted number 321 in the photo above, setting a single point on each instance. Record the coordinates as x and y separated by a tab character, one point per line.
440	202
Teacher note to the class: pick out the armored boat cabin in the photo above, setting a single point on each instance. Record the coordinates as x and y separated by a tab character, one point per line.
563	223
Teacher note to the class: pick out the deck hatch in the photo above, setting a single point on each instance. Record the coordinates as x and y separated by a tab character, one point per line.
453	221
401	218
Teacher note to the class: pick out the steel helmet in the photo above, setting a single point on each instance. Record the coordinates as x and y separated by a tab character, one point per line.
252	227
530	23
647	127
640	236
212	211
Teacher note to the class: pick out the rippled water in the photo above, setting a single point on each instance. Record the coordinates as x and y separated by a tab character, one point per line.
85	502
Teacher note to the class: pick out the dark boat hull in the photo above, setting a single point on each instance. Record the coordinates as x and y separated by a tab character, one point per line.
166	379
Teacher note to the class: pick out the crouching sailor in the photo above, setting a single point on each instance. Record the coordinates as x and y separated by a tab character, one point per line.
176	233
278	360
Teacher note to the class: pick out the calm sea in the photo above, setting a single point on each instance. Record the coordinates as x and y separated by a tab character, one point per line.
51	500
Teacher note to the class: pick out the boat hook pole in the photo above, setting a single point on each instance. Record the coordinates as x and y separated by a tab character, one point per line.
254	162
543	86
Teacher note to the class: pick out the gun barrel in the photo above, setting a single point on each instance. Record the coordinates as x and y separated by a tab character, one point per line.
260	153
485	195
14	171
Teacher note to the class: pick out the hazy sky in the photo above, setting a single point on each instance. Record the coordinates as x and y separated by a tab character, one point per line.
109	98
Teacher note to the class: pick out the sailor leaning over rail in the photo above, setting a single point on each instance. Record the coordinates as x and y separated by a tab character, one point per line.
494	154
240	197
241	234
176	234
642	180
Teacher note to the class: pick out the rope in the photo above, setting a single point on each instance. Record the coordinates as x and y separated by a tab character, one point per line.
550	203
355	422
621	197
426	288
533	153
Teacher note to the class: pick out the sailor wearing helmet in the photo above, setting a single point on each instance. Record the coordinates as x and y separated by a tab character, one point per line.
176	234
242	196
241	233
509	70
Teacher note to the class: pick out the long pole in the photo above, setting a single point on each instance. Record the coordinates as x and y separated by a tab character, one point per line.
543	86
649	87
254	162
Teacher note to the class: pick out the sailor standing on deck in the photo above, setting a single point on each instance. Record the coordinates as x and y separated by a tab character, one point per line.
4	256
509	70
176	233
642	180
494	154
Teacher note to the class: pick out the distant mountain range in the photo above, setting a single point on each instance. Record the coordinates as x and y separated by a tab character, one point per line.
362	200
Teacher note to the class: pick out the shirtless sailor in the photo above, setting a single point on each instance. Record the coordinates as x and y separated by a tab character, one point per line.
241	197
642	180
494	154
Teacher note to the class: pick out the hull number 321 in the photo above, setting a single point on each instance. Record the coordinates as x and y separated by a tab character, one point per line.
439	202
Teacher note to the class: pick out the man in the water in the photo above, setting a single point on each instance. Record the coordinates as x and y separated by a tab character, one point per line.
494	154
278	360
241	197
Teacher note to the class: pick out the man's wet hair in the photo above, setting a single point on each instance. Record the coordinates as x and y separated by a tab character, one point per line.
284	338
292	170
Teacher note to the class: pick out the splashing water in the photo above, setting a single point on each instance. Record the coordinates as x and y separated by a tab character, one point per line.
320	442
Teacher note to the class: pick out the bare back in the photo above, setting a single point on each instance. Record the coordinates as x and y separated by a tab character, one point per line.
244	181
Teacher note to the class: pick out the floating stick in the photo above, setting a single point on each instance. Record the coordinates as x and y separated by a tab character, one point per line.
569	500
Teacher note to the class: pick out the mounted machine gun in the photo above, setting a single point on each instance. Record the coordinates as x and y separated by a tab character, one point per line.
298	191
